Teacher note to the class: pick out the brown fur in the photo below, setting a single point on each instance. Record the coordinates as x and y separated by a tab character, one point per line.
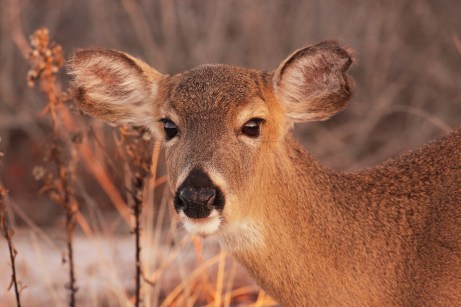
385	236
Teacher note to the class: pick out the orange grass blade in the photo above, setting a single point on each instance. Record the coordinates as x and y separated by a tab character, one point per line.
230	282
198	248
196	273
106	184
98	171
81	220
260	301
244	291
154	165
220	278
152	279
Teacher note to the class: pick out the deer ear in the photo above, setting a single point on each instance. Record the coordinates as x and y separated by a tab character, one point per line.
115	86
313	83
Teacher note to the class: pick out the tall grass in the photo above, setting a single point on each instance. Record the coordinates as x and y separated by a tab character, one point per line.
156	250
46	58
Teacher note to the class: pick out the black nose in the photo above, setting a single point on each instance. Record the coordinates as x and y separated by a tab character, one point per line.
197	195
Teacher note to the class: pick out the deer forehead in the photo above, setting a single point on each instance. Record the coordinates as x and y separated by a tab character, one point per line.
214	91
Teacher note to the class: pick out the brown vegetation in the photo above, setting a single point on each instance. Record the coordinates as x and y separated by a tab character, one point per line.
46	59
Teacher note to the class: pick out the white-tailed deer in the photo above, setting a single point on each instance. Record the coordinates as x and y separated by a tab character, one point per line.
385	236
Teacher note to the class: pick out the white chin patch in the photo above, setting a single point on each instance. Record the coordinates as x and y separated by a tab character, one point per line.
201	227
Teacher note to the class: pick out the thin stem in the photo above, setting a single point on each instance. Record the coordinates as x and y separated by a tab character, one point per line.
11	248
68	205
46	59
137	208
69	230
134	146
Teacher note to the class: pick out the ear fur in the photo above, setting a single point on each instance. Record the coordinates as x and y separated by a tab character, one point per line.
313	83
114	86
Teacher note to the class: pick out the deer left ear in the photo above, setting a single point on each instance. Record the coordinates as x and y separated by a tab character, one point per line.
116	87
313	83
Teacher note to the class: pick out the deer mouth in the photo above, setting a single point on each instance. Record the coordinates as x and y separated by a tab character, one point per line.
202	227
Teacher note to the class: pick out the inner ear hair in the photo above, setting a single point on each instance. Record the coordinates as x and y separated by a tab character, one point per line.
313	83
114	86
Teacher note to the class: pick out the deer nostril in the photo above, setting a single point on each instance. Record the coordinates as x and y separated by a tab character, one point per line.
197	196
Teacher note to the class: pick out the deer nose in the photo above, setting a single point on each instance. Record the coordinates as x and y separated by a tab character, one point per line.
196	203
197	196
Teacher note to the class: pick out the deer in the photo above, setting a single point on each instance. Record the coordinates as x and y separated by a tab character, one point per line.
389	235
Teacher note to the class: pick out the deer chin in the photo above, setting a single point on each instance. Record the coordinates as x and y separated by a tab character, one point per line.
202	227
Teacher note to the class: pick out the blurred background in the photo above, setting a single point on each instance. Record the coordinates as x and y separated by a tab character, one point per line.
408	86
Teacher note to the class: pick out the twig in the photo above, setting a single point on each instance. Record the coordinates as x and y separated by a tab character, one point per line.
46	59
135	147
71	210
137	208
12	250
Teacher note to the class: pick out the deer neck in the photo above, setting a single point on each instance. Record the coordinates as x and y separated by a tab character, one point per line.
285	241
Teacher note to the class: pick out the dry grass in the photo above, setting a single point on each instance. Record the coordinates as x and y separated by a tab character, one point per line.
46	58
407	93
67	147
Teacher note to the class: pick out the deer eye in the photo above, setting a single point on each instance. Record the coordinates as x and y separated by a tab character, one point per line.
170	128
252	127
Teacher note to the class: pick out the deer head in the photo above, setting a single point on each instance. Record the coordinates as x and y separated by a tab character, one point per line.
222	126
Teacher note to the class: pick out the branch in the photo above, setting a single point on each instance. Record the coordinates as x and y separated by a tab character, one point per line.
12	250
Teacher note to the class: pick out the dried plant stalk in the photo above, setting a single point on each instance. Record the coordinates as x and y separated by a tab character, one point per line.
136	147
138	184
46	59
13	253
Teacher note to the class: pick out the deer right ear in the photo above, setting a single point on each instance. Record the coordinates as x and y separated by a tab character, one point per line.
115	86
313	83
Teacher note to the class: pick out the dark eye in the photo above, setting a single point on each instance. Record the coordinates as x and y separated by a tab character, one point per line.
252	127
170	128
